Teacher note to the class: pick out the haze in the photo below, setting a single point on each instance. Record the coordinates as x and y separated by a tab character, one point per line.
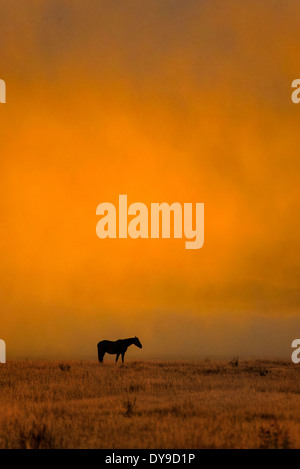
186	101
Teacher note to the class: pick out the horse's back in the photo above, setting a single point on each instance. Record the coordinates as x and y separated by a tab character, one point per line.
107	342
103	343
110	346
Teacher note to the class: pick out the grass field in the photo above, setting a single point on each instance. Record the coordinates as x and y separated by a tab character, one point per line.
204	404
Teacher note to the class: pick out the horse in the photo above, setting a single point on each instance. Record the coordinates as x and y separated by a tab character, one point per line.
119	347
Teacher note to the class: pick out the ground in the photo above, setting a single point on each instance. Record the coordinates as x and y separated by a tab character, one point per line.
191	404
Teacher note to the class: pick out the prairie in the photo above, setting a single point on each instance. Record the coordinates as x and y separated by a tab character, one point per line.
141	404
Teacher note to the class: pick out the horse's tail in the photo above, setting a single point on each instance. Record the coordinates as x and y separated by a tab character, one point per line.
100	351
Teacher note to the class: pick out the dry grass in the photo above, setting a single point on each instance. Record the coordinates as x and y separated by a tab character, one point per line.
209	404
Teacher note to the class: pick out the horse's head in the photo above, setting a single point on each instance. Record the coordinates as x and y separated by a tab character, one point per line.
137	342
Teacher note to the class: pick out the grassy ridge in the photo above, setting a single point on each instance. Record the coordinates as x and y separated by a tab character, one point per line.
207	404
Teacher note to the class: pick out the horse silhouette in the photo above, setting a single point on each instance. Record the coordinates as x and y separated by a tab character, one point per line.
119	347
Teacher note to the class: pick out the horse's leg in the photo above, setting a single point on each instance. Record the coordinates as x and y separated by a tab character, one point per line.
117	357
123	354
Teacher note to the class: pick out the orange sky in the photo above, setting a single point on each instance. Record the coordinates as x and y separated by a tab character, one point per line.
185	101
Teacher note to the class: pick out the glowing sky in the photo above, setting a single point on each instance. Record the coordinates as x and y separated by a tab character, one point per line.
165	101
